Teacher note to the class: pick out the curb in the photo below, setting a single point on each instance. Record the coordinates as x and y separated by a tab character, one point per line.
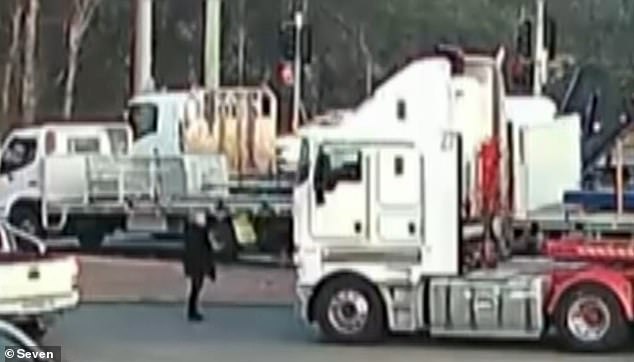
175	302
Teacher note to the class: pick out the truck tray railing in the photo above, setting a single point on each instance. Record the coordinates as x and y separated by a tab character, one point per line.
98	183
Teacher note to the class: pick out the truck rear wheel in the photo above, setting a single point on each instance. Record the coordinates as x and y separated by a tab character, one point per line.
349	310
589	318
90	240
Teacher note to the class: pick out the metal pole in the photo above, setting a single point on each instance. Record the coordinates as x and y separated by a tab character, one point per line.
619	176
143	63
297	95
212	46
539	60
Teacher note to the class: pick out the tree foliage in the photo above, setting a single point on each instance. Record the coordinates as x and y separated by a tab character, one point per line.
354	39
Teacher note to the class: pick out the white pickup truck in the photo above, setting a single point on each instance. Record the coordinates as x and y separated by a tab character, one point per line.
34	285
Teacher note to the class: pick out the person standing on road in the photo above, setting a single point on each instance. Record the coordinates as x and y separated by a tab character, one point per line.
198	262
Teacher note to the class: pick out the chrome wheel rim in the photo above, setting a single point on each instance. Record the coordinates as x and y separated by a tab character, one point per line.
348	311
589	319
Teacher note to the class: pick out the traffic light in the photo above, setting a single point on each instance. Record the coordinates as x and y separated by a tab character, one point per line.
288	36
524	41
285	73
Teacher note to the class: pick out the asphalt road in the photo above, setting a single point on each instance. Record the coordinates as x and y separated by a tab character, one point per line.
140	333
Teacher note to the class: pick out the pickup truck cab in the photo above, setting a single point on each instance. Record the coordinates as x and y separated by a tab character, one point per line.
35	285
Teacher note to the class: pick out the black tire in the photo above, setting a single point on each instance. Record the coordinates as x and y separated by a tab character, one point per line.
90	240
27	219
34	329
617	333
225	241
373	329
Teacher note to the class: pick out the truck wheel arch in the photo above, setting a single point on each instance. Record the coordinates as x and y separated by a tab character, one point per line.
610	280
336	276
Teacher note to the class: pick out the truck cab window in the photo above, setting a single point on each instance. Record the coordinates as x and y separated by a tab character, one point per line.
345	163
303	166
143	119
83	145
20	153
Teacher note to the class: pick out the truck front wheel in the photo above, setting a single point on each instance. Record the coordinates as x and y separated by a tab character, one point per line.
26	219
349	310
34	328
589	318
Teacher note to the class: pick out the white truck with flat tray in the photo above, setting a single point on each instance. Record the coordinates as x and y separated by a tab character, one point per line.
240	123
145	194
35	286
23	164
81	179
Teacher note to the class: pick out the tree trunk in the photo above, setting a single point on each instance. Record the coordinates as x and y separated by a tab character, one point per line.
71	75
242	40
29	101
13	56
80	16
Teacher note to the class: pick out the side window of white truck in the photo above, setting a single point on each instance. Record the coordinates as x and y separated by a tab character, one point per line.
303	166
20	152
340	198
83	145
342	163
143	119
336	164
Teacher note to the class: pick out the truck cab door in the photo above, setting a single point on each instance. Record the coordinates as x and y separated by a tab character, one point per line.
339	199
398	196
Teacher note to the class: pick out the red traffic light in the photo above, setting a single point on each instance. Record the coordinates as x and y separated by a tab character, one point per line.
285	73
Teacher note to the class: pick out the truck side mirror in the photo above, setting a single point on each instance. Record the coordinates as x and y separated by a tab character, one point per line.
322	180
550	37
524	40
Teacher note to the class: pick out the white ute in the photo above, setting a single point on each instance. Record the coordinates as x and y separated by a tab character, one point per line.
34	285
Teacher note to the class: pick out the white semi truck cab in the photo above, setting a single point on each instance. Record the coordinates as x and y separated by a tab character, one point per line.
384	241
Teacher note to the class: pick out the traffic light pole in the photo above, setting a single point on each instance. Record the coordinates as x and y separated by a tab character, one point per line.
541	58
297	69
211	44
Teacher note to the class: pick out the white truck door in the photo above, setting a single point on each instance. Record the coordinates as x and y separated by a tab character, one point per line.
398	200
340	194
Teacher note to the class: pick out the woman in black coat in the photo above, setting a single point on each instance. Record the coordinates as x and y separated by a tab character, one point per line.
198	262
